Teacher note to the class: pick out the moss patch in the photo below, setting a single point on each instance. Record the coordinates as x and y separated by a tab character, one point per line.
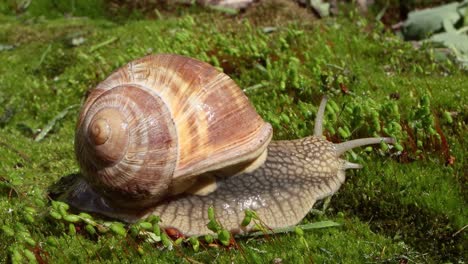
406	205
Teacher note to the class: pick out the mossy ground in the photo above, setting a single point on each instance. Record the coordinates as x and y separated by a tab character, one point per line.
407	205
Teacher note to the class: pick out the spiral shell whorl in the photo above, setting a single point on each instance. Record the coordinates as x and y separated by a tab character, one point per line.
133	156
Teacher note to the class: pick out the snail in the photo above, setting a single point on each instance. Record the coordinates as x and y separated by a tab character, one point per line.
172	136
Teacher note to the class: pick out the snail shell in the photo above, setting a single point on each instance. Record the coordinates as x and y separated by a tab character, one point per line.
155	124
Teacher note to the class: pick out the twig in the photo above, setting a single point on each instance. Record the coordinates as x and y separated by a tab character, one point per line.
226	10
316	225
381	13
43	56
254	87
462	30
456	233
52	122
102	44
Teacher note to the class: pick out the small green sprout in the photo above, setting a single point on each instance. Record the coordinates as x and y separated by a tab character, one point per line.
302	239
247	218
211	213
52	241
447	117
224	237
153	219
195	243
90	229
29	218
7	230
208	239
85	216
31	242
213	224
166	241
298	231
398	147
72	218
140	250
157	230
30	256
54	214
343	133
71	229
134	230
118	229
145	225
16	256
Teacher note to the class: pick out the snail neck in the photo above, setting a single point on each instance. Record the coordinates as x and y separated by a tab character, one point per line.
309	164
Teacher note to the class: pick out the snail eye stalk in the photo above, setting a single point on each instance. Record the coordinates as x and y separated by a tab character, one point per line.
318	127
348	145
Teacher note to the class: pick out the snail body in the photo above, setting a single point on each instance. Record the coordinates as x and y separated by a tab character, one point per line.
211	149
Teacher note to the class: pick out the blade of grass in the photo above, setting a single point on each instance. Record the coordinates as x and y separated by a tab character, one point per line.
316	225
43	56
52	123
102	44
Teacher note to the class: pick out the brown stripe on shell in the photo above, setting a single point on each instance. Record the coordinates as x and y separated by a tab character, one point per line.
226	118
142	175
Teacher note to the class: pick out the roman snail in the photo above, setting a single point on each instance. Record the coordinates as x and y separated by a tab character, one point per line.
172	136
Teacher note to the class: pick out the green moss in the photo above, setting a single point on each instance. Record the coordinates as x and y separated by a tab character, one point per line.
403	205
416	203
53	9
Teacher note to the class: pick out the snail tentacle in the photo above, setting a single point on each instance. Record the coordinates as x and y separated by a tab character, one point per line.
348	145
318	127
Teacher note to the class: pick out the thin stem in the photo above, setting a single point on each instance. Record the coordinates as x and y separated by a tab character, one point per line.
318	127
288	229
345	146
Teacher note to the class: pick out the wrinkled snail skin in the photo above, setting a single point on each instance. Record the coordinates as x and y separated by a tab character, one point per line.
282	191
164	125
